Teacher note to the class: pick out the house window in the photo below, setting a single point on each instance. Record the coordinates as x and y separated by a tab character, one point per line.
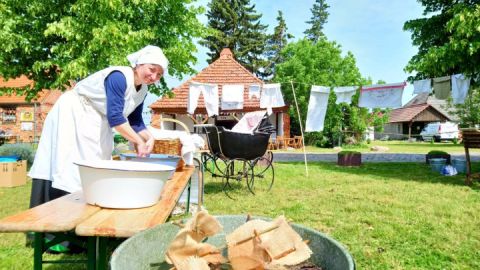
9	115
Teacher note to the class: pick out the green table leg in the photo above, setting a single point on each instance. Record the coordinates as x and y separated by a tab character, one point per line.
38	250
91	253
102	253
188	194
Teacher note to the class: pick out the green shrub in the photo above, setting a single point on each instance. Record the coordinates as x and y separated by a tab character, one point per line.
369	141
347	152
455	141
437	152
22	150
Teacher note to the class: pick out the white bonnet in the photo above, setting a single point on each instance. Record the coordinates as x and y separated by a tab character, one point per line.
149	55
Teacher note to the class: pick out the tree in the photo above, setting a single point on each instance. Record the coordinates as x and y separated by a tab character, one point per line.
53	42
321	63
449	43
318	19
236	26
275	43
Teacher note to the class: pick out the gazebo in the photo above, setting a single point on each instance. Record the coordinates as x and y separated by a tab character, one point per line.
223	71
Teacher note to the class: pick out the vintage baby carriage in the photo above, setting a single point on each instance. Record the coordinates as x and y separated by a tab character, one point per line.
241	153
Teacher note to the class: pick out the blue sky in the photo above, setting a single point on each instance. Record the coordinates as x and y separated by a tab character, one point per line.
370	29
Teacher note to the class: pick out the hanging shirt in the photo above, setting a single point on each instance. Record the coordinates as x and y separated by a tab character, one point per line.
249	122
271	97
382	95
460	86
210	97
317	108
422	86
441	87
254	91
344	93
232	97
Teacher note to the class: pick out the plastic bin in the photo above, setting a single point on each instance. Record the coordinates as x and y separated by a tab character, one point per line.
460	165
149	246
437	164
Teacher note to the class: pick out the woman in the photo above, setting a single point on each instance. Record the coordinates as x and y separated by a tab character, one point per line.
79	126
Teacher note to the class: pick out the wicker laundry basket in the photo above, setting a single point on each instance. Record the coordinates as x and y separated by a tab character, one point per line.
169	146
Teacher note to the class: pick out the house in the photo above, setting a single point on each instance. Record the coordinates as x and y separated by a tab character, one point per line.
225	70
408	121
22	121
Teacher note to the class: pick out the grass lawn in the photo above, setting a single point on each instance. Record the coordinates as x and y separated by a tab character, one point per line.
388	215
397	147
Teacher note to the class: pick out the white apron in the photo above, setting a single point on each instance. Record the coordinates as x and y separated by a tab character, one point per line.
77	128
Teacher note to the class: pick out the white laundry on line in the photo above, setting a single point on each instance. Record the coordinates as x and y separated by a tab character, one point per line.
210	97
382	95
254	91
344	93
460	86
317	108
232	97
422	86
271	97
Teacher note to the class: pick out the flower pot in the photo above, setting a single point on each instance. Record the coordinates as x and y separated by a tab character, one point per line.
430	156
460	165
437	164
349	159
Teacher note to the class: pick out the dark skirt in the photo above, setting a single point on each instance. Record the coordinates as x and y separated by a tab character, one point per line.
42	192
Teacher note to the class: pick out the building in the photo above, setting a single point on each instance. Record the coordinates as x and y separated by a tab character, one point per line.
225	70
408	121
22	121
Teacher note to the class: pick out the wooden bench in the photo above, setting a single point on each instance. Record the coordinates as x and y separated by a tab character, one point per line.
71	213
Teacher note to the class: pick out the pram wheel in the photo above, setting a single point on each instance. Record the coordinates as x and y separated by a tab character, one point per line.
236	171
213	164
262	174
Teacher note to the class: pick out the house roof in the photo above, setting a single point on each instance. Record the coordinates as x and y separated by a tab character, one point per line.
407	114
44	97
224	70
439	104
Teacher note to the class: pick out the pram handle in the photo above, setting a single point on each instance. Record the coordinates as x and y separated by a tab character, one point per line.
159	121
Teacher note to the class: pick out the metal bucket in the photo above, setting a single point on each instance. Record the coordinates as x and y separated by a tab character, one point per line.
149	246
460	165
437	164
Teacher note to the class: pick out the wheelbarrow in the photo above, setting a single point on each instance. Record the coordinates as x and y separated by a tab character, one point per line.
148	248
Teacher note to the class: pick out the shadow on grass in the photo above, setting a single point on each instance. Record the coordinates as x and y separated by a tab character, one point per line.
404	171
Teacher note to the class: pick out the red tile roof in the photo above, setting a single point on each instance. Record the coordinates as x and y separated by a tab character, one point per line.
407	114
224	70
43	97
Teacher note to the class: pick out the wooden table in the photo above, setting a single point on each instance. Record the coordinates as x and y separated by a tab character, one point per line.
71	213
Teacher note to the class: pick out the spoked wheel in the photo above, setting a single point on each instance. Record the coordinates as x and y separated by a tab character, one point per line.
213	164
262	175
236	171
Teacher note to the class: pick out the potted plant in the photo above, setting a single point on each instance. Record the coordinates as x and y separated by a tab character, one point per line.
349	158
437	154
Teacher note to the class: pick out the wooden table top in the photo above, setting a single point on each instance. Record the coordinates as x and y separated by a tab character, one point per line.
72	212
60	215
127	222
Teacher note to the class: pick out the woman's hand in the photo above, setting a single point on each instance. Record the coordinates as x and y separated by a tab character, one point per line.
142	150
150	143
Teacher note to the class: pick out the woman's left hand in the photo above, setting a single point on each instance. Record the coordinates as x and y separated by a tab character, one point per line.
150	143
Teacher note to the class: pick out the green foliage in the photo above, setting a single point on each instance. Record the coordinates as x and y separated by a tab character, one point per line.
348	152
448	40
55	42
22	150
318	19
275	43
236	25
321	63
437	152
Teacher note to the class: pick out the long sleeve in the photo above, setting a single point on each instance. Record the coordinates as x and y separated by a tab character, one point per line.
115	87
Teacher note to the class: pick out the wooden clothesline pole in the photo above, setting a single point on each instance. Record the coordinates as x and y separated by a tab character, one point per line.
301	128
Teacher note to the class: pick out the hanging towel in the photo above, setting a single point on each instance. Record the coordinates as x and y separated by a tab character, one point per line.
254	91
271	97
460	86
317	108
441	87
382	95
210	97
422	86
232	96
344	93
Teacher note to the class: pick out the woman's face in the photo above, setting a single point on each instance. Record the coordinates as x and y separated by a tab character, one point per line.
149	73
